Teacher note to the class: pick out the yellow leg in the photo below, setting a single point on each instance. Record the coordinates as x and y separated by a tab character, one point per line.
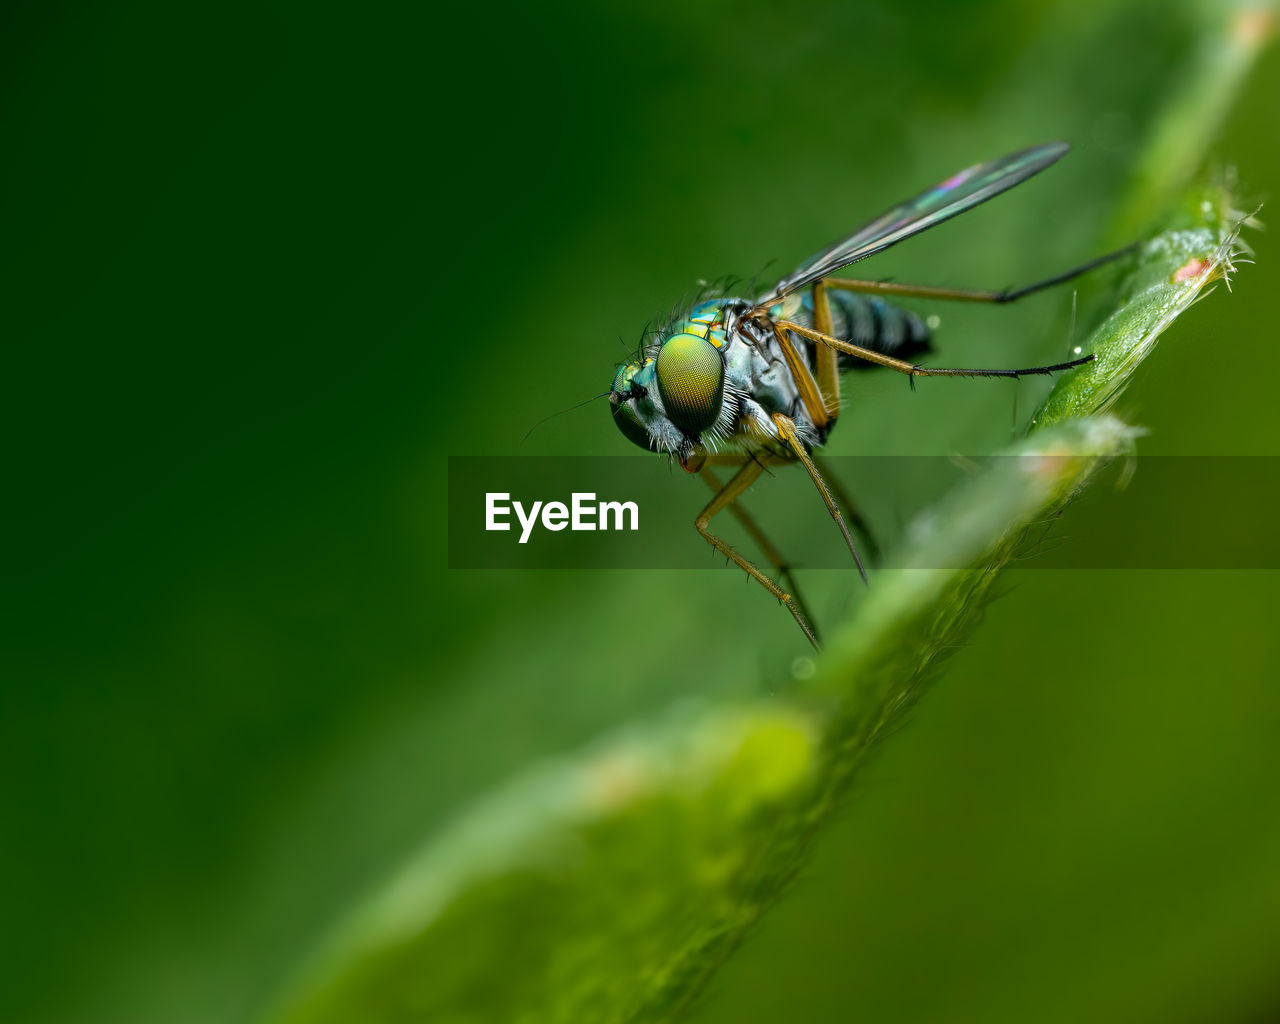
764	458
731	491
920	291
848	506
810	394
911	369
788	430
826	359
770	552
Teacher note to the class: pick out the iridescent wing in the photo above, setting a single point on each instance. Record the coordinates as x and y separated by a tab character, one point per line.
958	193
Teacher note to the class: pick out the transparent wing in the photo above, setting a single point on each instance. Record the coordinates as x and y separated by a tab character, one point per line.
958	193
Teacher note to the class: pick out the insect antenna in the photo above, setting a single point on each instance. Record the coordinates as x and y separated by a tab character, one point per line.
646	332
561	412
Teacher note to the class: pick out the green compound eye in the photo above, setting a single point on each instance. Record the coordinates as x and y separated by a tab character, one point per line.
632	429
624	415
691	382
622	379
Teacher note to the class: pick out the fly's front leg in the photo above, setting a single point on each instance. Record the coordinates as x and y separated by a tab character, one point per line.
770	552
726	495
912	369
787	428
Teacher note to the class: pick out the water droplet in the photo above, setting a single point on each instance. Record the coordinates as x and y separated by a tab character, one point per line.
803	668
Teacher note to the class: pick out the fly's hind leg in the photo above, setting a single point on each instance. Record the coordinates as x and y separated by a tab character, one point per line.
785	575
725	496
822	327
969	294
913	369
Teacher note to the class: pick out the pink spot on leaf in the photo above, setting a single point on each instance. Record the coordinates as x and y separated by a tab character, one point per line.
1191	269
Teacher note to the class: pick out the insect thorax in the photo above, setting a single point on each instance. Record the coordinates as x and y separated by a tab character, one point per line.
758	382
717	376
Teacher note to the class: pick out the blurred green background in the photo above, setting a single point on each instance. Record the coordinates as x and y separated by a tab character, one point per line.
267	266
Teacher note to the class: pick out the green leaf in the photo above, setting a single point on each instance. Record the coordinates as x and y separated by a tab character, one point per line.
610	885
1172	271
